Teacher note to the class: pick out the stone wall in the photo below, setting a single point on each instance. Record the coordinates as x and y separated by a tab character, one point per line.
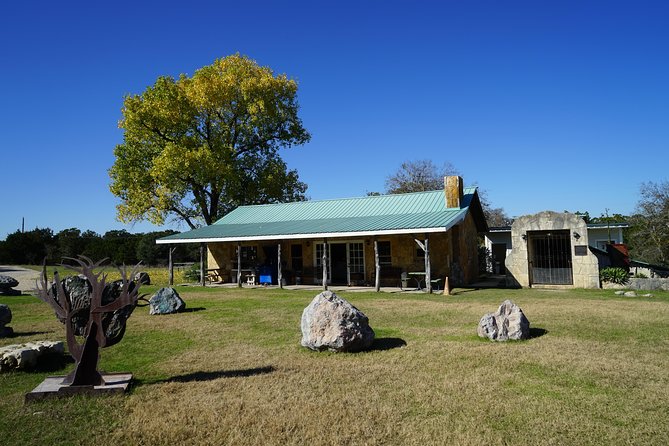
585	267
636	283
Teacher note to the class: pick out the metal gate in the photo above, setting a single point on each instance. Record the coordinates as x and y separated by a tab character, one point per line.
550	254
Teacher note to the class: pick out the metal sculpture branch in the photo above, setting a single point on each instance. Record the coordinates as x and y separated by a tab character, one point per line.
90	307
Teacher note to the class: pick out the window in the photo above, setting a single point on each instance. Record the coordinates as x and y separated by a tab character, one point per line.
356	258
296	257
249	257
420	254
385	259
601	244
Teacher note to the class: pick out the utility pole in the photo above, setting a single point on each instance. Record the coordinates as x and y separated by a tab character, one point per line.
608	223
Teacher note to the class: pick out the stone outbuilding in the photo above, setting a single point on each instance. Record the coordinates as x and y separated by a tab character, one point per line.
550	249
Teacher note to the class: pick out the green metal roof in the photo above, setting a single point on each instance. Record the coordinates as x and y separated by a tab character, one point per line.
374	215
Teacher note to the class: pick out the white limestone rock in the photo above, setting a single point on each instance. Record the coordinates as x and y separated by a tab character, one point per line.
332	323
509	322
26	356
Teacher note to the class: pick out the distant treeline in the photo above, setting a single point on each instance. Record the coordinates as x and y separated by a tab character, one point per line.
120	247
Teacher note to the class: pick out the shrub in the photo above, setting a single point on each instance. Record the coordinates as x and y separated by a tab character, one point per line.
614	275
640	276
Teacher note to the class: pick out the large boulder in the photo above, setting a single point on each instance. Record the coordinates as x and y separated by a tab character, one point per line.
166	301
5	315
78	293
6	285
332	323
509	322
5	318
26	356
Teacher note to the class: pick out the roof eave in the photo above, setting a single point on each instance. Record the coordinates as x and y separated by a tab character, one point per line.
320	235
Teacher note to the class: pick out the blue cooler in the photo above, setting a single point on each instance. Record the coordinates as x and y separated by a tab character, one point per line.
265	273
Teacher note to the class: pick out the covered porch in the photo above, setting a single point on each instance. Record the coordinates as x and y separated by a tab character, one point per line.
403	261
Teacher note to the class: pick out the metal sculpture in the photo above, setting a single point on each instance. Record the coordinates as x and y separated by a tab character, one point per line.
92	308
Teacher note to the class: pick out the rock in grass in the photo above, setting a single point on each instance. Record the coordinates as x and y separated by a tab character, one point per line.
332	323
26	356
5	315
142	278
5	318
166	301
78	291
509	322
6	285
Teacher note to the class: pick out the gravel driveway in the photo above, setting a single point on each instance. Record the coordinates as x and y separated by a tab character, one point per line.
26	277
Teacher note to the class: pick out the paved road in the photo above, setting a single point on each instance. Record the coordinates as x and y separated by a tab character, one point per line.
26	277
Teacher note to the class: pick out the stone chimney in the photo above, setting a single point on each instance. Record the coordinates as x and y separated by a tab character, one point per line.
454	191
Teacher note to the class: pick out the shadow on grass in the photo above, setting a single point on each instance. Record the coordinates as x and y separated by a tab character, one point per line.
381	344
193	310
536	332
462	291
52	363
208	376
18	334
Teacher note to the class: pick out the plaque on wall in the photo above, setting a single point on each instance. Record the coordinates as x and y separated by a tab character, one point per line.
581	250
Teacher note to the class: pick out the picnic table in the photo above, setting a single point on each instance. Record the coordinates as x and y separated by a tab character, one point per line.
418	276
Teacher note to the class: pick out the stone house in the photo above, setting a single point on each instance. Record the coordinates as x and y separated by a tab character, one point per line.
433	234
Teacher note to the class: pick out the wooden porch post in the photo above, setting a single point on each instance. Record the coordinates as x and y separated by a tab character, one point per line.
377	265
324	261
428	267
279	275
202	273
239	265
171	266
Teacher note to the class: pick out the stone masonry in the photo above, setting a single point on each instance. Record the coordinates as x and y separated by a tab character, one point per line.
585	267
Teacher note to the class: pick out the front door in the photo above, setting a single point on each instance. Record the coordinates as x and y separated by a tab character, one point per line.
499	258
550	257
338	261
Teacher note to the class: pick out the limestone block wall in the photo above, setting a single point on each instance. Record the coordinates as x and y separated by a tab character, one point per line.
468	259
453	254
585	267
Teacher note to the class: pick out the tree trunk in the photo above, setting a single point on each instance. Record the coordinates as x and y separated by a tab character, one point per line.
171	266
325	264
239	265
377	265
428	272
202	272
279	276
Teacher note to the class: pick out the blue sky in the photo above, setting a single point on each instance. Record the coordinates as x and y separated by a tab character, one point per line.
559	105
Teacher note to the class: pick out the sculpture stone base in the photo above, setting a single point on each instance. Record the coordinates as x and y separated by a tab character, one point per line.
53	386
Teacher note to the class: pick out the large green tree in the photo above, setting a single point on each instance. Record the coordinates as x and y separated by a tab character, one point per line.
194	148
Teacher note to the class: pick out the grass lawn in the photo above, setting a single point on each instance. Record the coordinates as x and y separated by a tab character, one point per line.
231	371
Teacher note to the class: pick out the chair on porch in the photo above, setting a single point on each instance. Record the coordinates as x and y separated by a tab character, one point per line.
404	280
436	282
